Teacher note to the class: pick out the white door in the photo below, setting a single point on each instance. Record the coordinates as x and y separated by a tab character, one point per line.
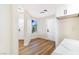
50	29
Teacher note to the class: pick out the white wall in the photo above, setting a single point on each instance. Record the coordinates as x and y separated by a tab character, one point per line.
27	29
5	29
60	10
69	28
14	26
8	29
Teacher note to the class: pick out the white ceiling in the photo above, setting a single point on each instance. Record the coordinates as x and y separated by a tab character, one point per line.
35	9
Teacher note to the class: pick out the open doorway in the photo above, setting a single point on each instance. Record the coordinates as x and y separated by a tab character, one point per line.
21	30
20	27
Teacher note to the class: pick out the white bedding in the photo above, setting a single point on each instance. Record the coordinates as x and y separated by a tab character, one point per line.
67	47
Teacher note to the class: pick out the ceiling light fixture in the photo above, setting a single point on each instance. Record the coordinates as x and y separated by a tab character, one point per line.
45	10
20	9
42	12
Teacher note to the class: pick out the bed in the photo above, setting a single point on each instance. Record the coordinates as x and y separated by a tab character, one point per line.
67	47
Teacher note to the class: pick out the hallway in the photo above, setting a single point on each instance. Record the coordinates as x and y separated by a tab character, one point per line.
37	46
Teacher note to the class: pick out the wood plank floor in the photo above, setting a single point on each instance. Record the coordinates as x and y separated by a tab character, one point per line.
37	46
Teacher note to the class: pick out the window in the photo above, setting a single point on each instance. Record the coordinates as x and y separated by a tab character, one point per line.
34	26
